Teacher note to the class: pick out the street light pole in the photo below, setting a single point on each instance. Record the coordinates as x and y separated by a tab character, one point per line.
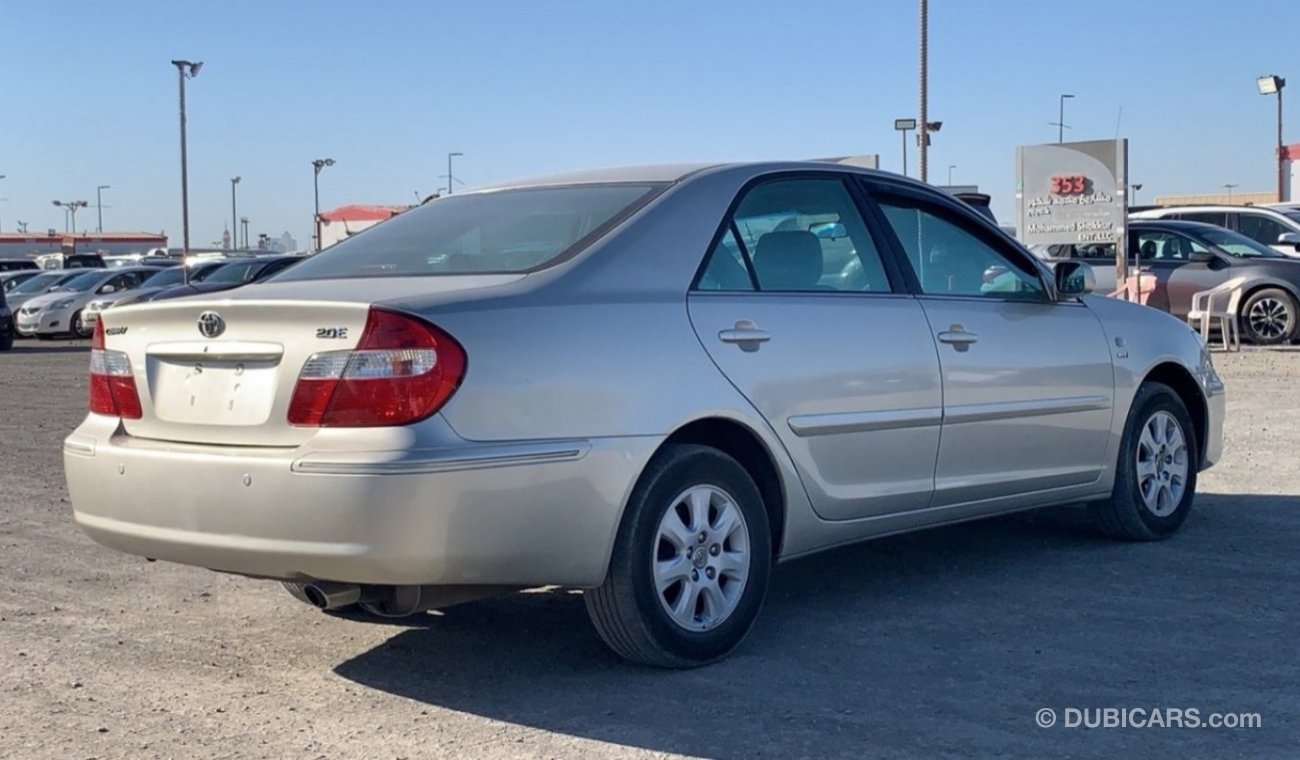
317	165
1230	185
70	208
2	227
451	179
1272	84
1133	199
950	168
99	204
234	230
244	221
1060	124
185	70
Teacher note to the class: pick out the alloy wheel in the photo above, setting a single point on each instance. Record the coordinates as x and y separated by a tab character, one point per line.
1269	318
1162	464
701	558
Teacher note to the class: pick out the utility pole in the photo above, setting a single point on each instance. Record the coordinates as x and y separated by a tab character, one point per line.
2	228
923	128
1060	124
185	70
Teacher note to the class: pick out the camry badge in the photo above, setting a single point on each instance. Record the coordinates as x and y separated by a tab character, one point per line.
211	324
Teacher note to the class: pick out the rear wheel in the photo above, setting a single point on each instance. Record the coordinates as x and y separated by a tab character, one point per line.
1155	478
690	564
1269	317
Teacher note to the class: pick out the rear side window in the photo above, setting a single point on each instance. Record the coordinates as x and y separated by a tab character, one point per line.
1261	228
796	236
1208	217
506	231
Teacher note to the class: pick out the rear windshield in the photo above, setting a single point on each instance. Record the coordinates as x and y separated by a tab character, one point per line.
236	271
507	231
165	278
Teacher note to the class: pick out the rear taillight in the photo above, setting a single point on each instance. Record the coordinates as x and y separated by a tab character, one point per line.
402	371
112	386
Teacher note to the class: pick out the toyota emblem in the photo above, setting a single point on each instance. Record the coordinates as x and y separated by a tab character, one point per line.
211	324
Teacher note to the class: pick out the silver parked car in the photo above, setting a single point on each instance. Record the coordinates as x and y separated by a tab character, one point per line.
60	310
649	383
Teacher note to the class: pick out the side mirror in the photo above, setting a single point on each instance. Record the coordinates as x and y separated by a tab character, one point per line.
1074	279
1289	238
1200	256
829	230
107	289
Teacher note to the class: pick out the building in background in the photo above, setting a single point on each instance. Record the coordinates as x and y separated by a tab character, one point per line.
1218	199
338	223
18	244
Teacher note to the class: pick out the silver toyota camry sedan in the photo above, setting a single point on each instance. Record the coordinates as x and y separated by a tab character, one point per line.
648	383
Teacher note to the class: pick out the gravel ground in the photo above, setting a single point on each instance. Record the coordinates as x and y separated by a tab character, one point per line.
941	644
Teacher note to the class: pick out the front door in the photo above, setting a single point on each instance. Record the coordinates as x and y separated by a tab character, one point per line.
1027	380
798	309
1169	256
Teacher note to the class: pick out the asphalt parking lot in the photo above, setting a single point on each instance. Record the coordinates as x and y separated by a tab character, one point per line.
941	644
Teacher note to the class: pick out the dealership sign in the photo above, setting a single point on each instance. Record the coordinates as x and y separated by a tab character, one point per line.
1071	192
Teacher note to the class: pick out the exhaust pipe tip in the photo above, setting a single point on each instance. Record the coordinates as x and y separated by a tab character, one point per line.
325	595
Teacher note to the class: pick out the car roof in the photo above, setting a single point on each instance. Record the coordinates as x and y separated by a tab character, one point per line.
1174	224
670	173
1206	207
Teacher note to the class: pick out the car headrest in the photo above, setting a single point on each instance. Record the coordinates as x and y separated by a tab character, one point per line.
788	260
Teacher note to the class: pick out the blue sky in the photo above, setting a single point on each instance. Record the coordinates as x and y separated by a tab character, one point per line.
387	89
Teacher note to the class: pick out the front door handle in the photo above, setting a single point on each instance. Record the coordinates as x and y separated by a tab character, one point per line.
957	337
745	334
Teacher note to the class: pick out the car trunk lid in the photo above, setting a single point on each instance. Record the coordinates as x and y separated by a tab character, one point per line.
222	370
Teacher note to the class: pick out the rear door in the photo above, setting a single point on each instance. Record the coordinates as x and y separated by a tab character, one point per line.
1027	381
803	315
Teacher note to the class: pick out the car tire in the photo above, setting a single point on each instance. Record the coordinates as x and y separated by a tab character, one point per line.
79	329
1268	317
1155	476
690	565
7	343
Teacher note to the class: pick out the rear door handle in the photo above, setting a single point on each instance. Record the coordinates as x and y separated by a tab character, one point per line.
957	337
746	334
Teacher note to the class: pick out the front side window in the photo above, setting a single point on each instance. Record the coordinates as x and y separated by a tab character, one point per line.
1260	228
949	258
1165	247
797	236
1237	245
501	232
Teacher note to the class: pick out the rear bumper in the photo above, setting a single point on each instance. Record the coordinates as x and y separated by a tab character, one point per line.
521	514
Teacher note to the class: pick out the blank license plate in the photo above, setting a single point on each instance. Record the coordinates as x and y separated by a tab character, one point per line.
213	393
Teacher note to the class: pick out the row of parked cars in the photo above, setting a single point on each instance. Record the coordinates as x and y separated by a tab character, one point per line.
67	302
1192	249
